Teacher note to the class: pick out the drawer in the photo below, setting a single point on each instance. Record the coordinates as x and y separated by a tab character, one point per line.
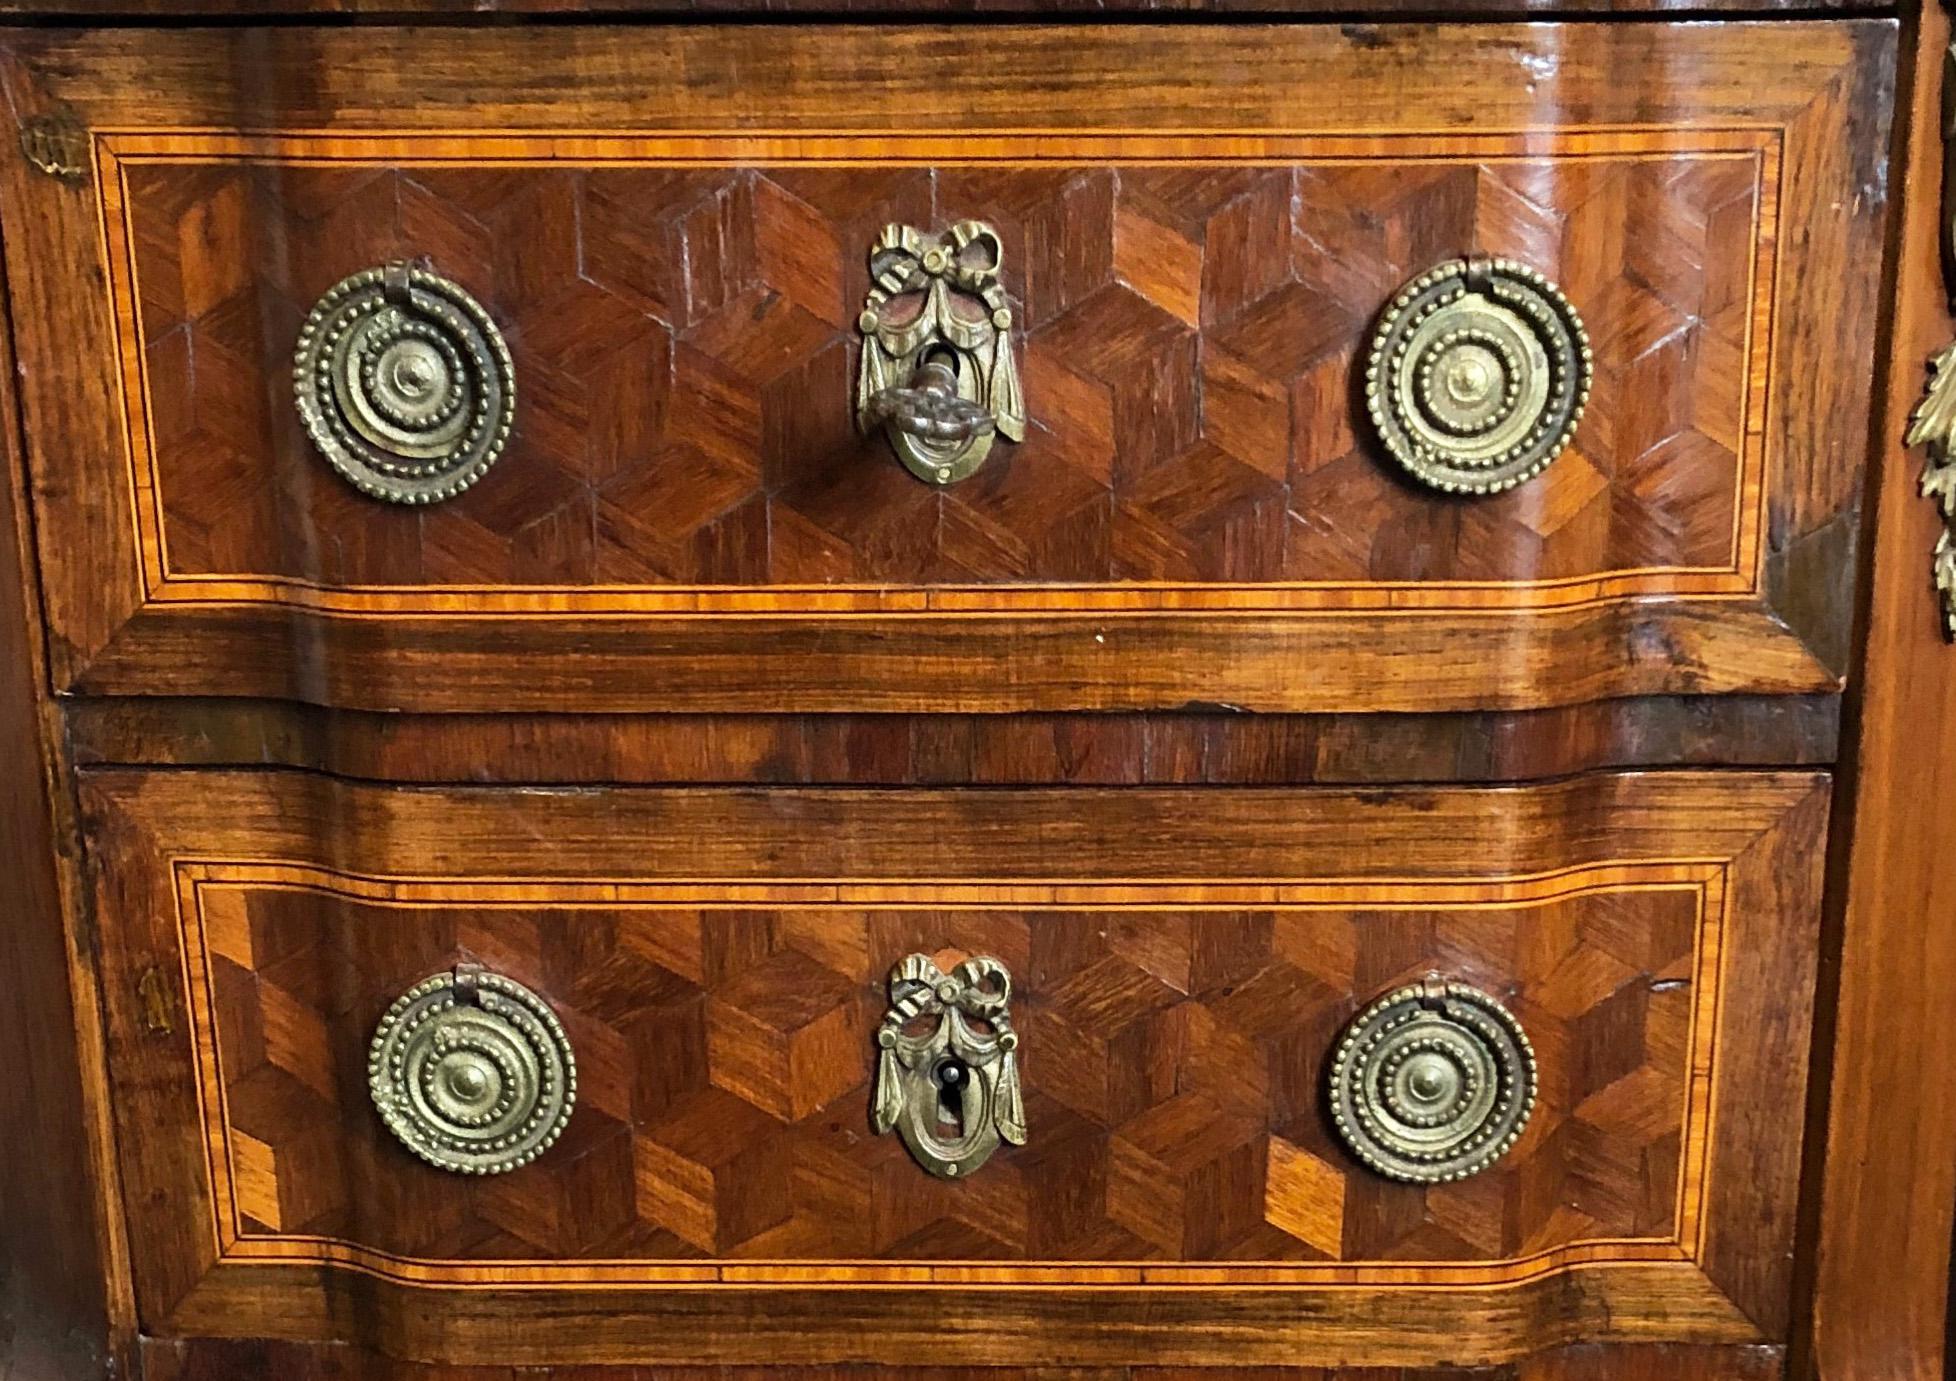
1204	1140
1224	321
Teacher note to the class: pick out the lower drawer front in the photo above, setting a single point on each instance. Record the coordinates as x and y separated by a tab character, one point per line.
599	1076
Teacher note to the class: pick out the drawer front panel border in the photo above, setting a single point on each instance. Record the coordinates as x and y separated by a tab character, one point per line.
1704	880
1806	103
117	151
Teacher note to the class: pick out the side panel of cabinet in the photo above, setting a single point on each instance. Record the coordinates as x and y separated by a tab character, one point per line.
62	1278
1885	1151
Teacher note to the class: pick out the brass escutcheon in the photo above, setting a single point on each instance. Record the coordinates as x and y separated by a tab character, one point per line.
938	375
947	1077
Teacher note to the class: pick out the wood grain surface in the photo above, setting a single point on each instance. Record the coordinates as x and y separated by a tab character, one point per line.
414	10
1196	514
1191	338
216	1360
277	1232
324	1216
61	1277
1196	747
1173	1054
1883	1142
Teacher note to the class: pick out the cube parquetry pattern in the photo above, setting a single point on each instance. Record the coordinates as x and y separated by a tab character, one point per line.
1173	1065
685	351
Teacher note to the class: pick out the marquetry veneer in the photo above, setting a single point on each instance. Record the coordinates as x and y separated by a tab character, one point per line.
689	714
686	515
1185	965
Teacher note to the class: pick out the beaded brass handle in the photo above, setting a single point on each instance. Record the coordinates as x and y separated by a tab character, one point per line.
1433	1082
404	384
1478	374
473	1072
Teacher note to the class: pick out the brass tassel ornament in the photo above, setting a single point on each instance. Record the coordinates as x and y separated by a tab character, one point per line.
1933	423
1010	1113
888	1105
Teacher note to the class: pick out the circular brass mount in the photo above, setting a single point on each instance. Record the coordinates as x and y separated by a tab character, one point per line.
1478	374
1433	1082
404	384
472	1072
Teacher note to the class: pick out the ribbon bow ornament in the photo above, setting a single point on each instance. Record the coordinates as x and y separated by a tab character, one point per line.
948	1076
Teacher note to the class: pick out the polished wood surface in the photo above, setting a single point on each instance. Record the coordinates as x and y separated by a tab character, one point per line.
688	520
1190	337
229	1361
701	876
1172	1063
1881	1300
60	1279
379	10
1194	748
1184	967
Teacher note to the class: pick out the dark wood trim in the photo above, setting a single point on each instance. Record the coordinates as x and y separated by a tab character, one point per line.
384	11
1394	662
217	1360
1088	833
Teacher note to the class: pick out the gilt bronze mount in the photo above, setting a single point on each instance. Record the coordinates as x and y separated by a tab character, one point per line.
1933	423
1478	374
404	384
56	145
938	376
947	1076
1433	1082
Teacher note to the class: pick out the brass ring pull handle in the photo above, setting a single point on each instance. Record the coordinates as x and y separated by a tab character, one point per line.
947	1077
1433	1082
472	1072
1478	374
404	384
938	374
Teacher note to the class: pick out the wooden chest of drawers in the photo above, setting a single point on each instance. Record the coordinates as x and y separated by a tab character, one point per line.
909	696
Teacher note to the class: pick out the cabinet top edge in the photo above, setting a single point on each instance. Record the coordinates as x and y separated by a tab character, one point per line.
114	12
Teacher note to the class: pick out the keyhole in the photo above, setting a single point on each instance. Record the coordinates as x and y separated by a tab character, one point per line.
951	1076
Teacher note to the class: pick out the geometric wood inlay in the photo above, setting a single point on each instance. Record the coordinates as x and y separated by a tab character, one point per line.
685	345
1173	1056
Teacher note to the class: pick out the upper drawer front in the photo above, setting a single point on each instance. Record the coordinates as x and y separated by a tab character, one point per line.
665	308
1170	1181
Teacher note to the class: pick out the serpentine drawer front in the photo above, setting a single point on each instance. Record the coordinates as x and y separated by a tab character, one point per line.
1061	695
404	1068
1356	351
